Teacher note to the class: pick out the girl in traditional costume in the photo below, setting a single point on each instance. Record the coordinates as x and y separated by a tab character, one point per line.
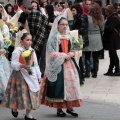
23	87
61	88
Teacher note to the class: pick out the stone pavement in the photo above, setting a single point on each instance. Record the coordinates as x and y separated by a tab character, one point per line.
101	100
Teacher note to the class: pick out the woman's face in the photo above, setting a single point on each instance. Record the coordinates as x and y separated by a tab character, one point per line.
34	6
81	4
9	9
62	26
56	8
60	8
1	10
74	11
44	4
27	41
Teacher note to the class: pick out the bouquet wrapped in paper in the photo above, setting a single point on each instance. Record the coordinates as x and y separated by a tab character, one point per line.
27	57
77	44
77	41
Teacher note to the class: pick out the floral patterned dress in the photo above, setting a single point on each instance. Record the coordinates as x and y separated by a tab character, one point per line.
4	74
4	70
18	94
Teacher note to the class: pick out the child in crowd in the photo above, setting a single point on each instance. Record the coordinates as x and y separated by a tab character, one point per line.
23	87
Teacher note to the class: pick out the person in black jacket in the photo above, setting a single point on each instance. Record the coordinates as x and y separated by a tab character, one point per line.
80	23
111	39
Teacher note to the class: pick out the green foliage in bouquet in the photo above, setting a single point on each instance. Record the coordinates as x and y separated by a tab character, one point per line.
77	44
7	42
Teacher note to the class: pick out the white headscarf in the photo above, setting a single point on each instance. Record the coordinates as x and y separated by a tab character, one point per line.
15	18
54	58
18	37
4	14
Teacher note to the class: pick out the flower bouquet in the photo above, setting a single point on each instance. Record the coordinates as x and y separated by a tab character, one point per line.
13	30
7	42
77	44
27	57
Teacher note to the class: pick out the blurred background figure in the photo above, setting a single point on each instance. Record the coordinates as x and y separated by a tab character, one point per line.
111	40
80	23
10	10
95	28
87	6
35	5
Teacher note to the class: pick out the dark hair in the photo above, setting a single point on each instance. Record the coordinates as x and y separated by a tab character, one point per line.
19	2
77	7
56	3
115	5
1	6
99	3
37	5
62	18
50	12
24	36
20	28
0	15
88	0
62	5
70	3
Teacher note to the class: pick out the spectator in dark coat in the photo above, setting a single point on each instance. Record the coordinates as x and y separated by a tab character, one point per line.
80	23
111	39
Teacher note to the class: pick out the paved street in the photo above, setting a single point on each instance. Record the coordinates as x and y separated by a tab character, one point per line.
101	100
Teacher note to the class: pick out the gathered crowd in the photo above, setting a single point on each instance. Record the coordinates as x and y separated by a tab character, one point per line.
47	51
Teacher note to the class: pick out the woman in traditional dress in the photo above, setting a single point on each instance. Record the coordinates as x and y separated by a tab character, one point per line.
23	88
4	65
5	16
61	88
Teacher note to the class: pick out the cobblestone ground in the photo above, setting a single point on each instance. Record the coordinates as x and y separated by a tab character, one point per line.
101	100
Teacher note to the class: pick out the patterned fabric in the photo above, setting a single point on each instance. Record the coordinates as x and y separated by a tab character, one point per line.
18	94
37	23
65	104
71	82
4	74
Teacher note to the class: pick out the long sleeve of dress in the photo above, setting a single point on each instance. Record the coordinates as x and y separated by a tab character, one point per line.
15	60
6	30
